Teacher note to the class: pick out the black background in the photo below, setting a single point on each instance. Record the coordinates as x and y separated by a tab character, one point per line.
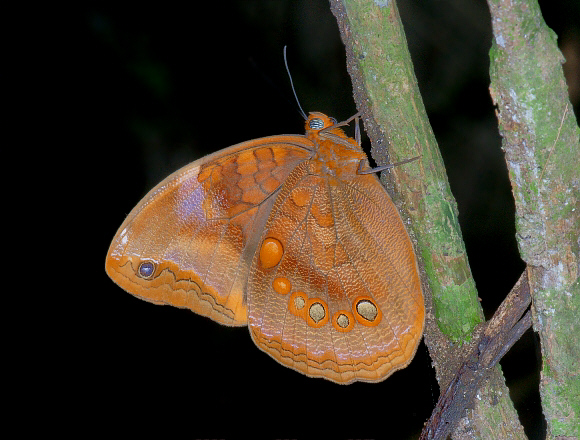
154	88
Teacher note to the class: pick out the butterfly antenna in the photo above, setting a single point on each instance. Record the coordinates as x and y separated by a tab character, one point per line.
292	85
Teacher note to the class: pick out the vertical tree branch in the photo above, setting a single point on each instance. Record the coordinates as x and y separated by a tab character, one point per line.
541	142
386	92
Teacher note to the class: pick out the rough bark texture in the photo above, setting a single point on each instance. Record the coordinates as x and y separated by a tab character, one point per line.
541	142
386	92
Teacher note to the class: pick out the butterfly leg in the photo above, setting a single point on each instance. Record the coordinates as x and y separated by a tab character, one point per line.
357	129
325	131
343	123
384	167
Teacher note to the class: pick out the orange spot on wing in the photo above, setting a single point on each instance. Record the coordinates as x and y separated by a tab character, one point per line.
271	252
301	196
323	218
282	285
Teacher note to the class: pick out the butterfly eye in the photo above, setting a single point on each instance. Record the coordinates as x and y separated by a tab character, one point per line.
316	124
146	269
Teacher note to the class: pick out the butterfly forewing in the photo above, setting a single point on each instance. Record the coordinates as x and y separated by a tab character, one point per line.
190	241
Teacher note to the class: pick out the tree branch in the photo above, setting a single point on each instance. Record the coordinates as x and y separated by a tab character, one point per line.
386	92
541	142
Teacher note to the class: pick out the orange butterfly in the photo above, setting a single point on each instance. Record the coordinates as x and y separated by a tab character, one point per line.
291	235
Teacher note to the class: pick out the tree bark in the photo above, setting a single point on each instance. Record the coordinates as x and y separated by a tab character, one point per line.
541	143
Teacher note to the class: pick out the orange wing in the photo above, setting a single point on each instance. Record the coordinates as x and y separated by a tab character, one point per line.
191	239
334	289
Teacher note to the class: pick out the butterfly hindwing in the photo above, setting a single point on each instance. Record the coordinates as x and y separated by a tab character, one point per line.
347	315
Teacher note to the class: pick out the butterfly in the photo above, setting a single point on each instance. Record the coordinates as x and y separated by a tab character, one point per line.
293	236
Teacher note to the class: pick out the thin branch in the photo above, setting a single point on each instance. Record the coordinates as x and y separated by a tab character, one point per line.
500	333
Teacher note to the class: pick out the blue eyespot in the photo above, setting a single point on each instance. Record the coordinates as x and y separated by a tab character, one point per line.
146	269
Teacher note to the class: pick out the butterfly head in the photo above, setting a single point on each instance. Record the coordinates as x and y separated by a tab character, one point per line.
318	121
322	129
